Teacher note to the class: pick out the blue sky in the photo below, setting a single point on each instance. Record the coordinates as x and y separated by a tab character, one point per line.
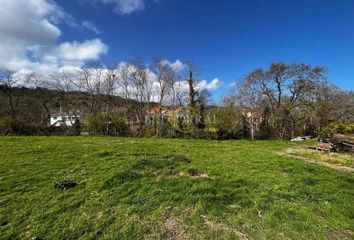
225	38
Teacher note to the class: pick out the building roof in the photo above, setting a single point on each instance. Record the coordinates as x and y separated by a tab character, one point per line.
63	114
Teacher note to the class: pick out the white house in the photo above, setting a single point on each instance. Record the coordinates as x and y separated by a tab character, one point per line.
58	120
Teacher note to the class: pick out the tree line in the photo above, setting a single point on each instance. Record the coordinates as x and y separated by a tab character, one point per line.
280	102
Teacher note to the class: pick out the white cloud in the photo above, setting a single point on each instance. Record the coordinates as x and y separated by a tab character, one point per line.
129	6
78	52
213	85
177	65
91	26
30	34
125	7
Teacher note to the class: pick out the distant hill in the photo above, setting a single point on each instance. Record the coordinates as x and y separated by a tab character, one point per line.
56	100
27	110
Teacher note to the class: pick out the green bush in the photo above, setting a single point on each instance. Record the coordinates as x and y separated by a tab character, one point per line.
343	128
103	124
339	127
225	123
5	124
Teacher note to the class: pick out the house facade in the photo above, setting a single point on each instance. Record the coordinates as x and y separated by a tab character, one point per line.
63	120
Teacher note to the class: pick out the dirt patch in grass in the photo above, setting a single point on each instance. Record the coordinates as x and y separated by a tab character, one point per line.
186	174
171	224
171	228
338	161
341	235
222	227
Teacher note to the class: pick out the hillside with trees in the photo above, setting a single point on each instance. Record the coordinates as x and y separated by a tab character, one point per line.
280	102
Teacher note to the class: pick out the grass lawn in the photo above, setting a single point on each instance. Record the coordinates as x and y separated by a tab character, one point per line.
129	188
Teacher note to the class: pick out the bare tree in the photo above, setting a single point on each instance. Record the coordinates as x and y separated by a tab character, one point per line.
91	81
69	91
42	87
284	89
109	87
180	95
142	88
165	80
124	82
10	87
164	77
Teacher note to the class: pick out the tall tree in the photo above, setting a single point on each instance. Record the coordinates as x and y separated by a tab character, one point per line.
11	87
283	89
142	88
41	86
192	92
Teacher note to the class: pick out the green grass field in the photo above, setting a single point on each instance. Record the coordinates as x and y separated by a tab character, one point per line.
128	188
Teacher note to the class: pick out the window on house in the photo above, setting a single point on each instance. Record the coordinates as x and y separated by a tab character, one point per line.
54	118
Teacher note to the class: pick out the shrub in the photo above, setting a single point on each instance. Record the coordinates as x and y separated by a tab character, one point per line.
5	124
149	131
77	127
102	124
226	123
339	127
117	126
325	133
